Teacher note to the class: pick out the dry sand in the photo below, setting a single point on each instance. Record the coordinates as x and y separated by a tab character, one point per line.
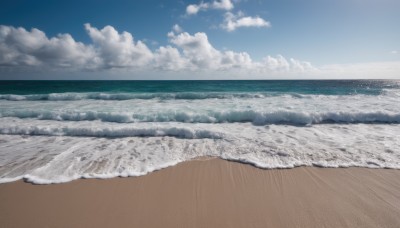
211	193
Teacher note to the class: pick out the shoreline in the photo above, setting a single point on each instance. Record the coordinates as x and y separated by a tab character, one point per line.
211	192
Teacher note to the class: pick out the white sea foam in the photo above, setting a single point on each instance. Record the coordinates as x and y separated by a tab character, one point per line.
56	159
56	138
230	116
51	128
286	109
180	95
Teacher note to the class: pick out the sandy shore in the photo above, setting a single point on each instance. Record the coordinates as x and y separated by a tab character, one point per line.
211	193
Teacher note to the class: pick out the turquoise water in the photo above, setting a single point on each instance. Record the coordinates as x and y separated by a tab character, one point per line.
339	87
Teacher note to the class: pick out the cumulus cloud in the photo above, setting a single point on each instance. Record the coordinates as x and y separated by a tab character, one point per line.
19	47
235	21
223	5
196	49
220	5
196	53
185	53
111	49
201	55
194	9
118	49
169	58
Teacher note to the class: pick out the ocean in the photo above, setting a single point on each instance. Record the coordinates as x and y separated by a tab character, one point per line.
58	131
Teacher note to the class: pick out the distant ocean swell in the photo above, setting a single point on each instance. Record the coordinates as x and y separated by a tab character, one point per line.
50	133
163	96
130	96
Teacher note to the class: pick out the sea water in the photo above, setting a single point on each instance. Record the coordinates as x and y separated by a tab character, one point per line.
58	131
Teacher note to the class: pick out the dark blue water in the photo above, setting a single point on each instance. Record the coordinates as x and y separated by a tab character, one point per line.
331	87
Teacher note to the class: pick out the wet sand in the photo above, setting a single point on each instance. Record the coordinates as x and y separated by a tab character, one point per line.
211	193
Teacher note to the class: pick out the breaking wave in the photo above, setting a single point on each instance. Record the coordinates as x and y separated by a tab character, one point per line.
232	116
109	132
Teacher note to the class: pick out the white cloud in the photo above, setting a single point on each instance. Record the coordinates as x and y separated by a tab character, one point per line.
110	49
204	57
222	4
279	63
118	49
169	58
196	53
232	21
176	28
197	49
394	52
217	4
194	9
19	47
186	55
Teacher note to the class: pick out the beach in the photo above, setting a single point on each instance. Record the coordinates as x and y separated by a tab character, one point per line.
200	154
211	192
200	114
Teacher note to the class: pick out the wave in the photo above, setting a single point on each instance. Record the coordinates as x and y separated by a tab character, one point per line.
391	92
232	116
131	96
55	159
110	132
167	96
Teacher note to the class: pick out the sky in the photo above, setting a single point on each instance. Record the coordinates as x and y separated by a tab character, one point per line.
191	39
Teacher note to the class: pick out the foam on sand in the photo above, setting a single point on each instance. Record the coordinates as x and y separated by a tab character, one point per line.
55	159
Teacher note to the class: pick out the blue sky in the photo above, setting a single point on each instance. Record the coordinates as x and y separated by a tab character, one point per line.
341	38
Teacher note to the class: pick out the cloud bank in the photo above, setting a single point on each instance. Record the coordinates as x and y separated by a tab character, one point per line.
111	49
187	55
